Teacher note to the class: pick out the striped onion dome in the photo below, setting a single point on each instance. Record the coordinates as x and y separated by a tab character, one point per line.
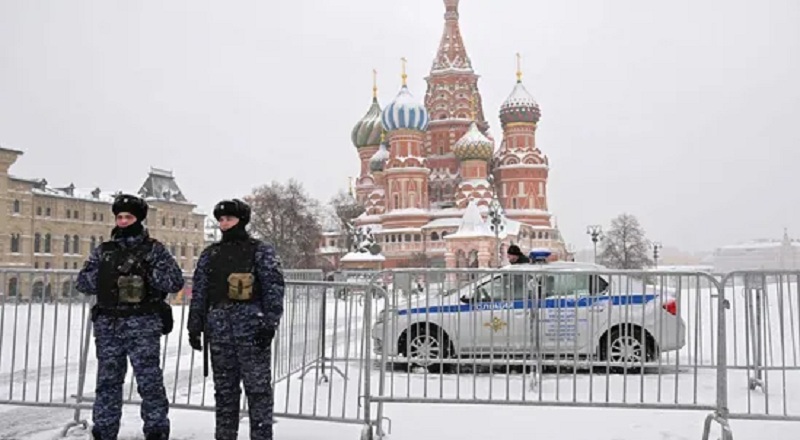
378	160
520	107
368	130
405	113
473	145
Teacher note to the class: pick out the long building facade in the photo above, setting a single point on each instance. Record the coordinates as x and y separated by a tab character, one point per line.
427	167
46	227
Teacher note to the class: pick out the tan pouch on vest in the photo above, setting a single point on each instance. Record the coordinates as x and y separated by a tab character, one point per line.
131	289
240	286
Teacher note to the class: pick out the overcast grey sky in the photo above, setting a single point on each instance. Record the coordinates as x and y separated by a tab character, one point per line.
684	113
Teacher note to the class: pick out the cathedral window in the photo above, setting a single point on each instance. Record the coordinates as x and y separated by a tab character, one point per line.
37	243
66	244
47	242
76	244
16	206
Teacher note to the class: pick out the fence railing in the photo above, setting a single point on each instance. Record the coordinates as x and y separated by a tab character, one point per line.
528	336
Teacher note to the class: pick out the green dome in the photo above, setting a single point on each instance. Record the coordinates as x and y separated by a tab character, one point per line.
368	130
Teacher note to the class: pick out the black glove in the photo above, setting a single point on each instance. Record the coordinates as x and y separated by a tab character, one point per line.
194	341
167	321
263	338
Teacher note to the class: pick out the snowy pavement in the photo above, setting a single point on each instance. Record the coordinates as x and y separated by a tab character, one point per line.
437	422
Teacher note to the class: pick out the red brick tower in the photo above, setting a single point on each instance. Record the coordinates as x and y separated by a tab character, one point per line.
521	169
406	171
452	84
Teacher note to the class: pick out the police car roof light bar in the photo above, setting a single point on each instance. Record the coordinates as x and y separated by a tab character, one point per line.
539	256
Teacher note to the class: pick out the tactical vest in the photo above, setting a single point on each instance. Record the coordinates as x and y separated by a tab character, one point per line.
231	275
115	287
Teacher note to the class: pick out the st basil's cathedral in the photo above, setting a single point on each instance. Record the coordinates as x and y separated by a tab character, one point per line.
429	171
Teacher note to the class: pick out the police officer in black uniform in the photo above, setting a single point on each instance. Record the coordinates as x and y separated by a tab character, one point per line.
131	276
237	302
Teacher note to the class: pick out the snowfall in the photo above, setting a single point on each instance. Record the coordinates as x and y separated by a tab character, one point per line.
40	354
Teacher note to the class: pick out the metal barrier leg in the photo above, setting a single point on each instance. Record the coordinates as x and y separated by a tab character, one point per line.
77	420
727	434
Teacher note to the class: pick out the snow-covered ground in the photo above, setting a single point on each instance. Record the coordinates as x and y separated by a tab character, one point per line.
688	379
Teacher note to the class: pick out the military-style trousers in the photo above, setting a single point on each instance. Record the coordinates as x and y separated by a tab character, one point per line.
137	338
231	365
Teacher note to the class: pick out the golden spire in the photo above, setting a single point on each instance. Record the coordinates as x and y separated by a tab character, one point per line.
405	77
350	186
519	67
374	83
383	136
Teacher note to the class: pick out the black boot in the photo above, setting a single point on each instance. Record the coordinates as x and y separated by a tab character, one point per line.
157	436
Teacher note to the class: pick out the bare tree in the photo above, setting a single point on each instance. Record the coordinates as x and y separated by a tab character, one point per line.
347	209
625	245
286	216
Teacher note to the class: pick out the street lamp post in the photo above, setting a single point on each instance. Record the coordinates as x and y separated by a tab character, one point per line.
656	247
596	232
496	220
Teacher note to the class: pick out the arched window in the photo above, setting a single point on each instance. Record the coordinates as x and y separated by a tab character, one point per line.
37	242
47	241
12	287
38	291
66	244
434	236
17	207
93	244
76	244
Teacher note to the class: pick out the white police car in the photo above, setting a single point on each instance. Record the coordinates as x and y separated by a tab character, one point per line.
555	310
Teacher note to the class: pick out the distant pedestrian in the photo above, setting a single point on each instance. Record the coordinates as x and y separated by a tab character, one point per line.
515	255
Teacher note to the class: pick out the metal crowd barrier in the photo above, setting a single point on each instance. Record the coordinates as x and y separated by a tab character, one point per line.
764	345
612	339
320	355
729	346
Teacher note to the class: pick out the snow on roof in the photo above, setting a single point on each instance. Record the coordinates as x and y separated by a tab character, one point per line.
472	224
161	185
758	245
71	192
362	256
448	222
406	211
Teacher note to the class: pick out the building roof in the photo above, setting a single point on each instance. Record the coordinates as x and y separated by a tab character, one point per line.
161	185
472	224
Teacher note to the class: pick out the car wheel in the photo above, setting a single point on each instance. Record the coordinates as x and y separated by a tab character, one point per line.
427	347
627	346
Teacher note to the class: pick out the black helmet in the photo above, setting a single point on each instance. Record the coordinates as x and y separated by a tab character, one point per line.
234	208
134	205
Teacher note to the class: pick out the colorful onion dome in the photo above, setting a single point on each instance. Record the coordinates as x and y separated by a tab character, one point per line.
473	145
368	130
520	106
378	160
405	112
